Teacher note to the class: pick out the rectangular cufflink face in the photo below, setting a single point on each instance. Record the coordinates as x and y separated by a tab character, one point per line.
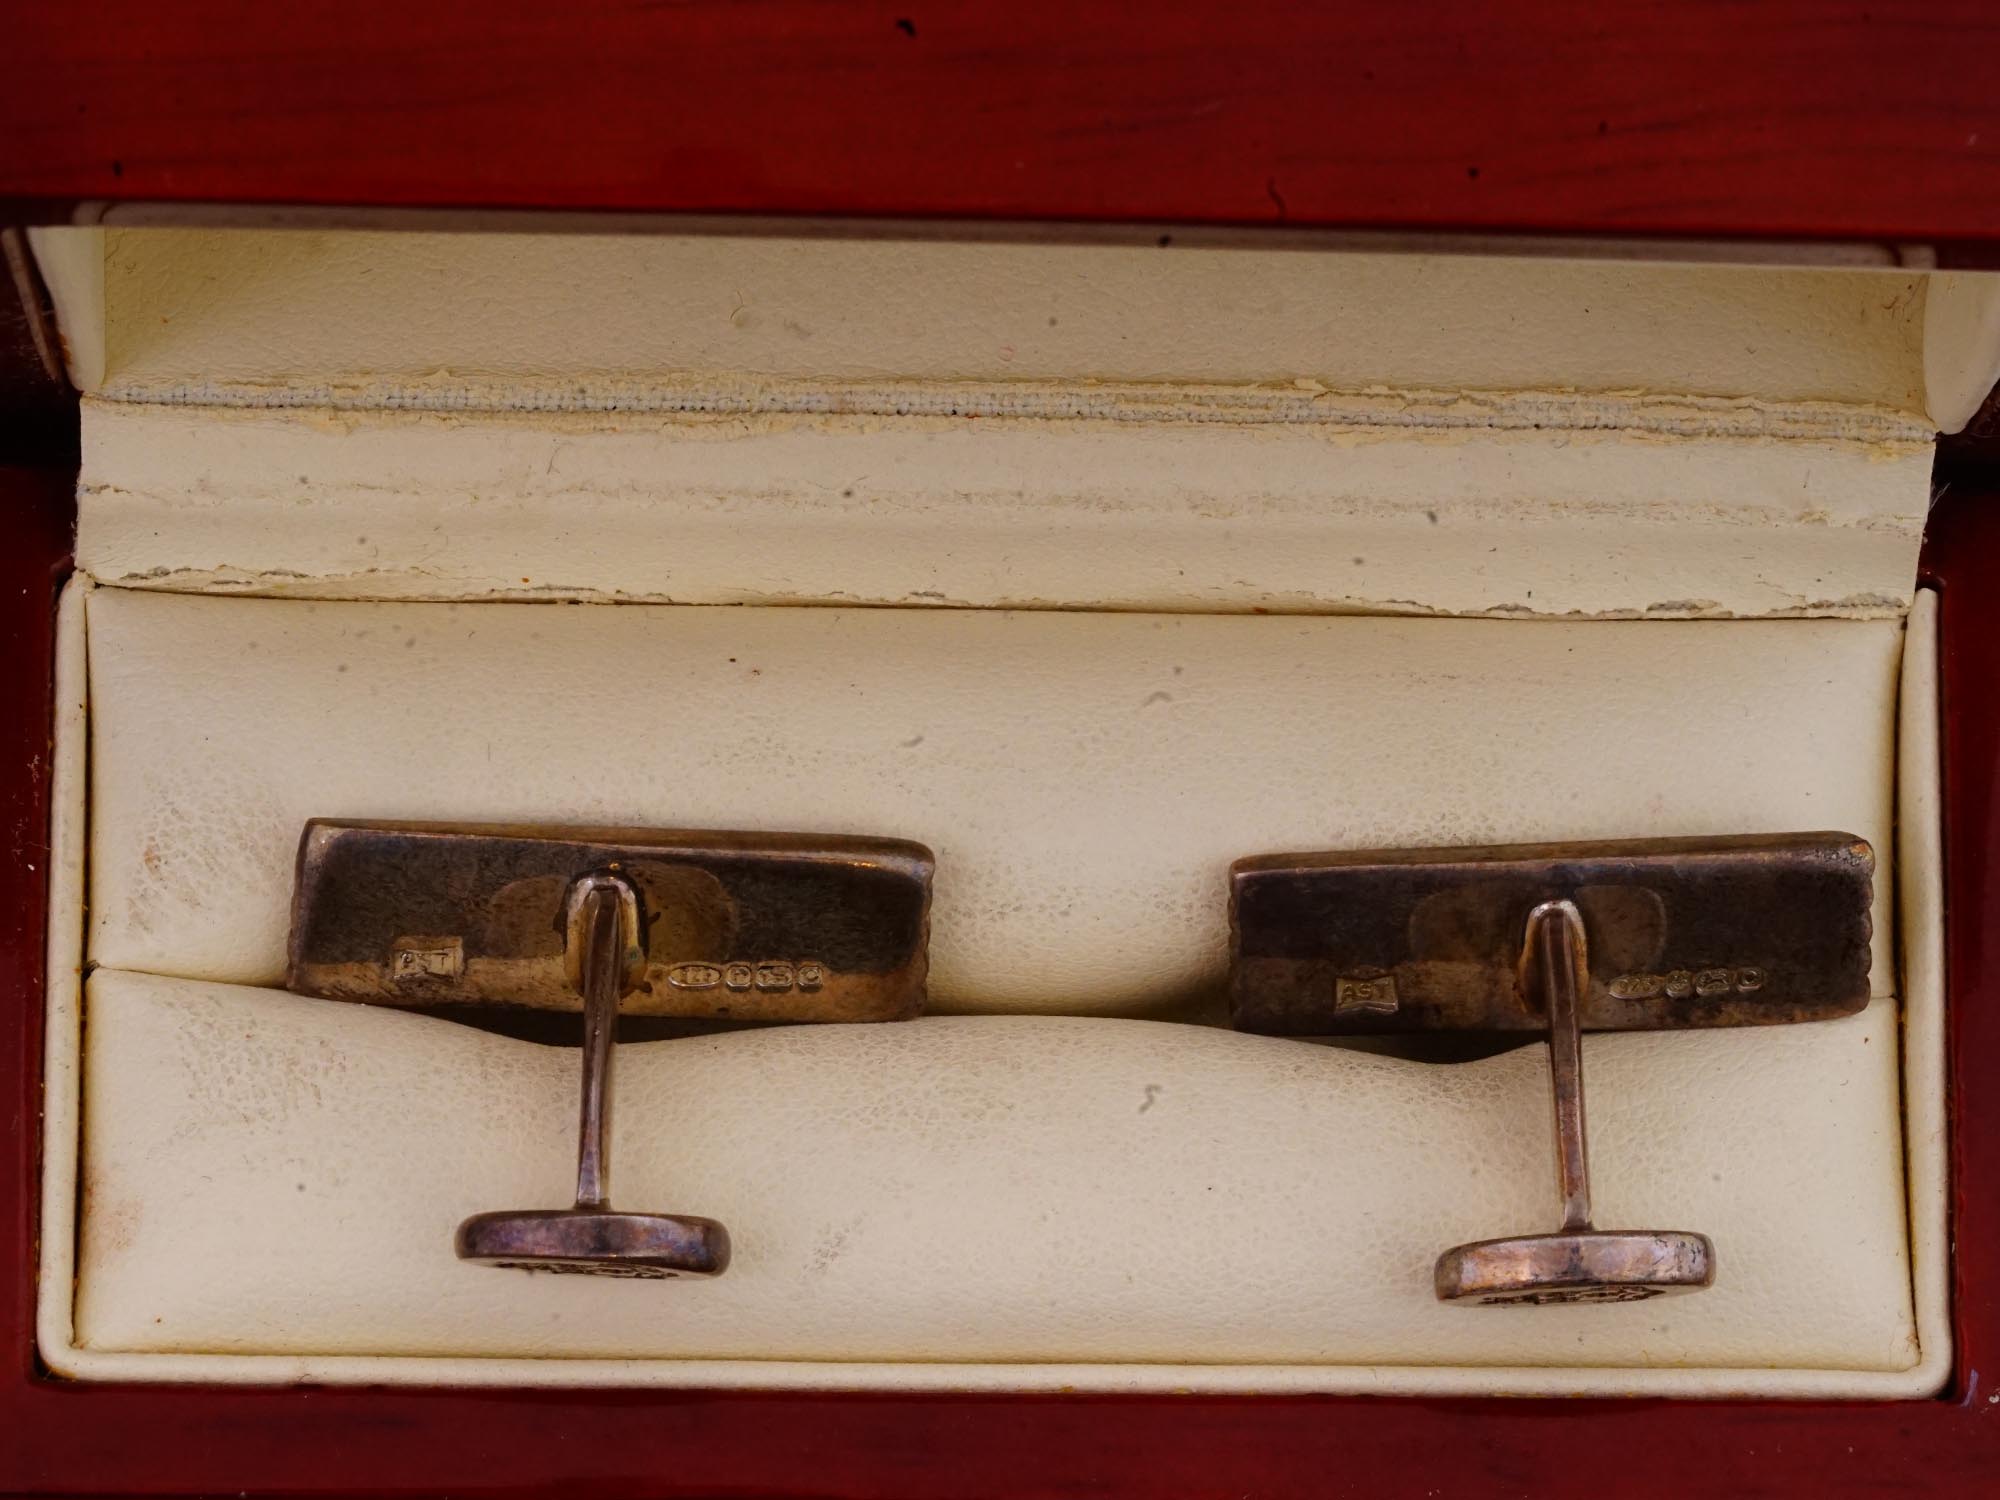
743	926
1680	933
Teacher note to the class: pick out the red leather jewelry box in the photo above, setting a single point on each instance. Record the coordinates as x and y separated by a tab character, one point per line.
79	1425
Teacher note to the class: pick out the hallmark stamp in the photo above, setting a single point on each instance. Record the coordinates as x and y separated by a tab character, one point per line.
769	976
415	959
1365	994
1681	983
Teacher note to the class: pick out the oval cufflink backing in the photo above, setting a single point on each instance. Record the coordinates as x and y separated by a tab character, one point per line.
740	926
1556	938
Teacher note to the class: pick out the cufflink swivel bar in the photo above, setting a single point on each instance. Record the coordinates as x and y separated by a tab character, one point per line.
760	927
1578	1263
606	953
1655	934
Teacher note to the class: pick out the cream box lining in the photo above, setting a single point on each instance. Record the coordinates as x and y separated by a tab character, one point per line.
1925	1182
346	415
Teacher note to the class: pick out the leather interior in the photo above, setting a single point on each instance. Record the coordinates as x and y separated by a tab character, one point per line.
269	1174
1431	549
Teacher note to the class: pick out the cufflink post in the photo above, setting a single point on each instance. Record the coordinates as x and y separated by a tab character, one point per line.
743	926
604	932
1558	939
1555	957
605	949
1578	1263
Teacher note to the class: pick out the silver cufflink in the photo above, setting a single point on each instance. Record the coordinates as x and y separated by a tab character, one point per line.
728	926
1657	934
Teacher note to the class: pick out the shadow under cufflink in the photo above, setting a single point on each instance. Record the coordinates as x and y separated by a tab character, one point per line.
738	927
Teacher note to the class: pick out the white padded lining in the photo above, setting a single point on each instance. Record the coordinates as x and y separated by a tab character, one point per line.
913	419
266	1173
1791	722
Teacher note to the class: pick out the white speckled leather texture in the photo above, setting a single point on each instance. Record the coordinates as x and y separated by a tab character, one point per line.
984	1199
269	1173
1235	423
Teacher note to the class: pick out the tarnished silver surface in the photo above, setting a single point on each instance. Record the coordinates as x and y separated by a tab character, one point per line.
431	914
737	926
1663	933
1578	1263
1586	1265
1683	932
597	1242
604	941
603	926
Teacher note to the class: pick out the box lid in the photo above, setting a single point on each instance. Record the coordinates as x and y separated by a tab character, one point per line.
1112	420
